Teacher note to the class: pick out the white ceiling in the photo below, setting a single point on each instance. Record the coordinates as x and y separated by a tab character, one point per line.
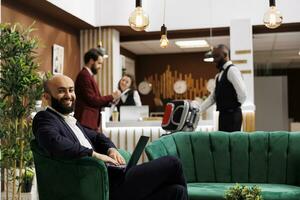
275	50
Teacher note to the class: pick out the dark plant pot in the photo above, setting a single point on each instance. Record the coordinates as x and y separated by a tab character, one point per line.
26	186
2	185
2	180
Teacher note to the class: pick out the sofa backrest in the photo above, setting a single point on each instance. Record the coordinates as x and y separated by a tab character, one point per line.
257	157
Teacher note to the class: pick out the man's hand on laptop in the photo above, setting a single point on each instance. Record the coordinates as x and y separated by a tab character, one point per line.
114	154
105	158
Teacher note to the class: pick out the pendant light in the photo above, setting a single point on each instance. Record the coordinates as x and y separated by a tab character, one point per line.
208	57
272	18
164	42
102	50
138	19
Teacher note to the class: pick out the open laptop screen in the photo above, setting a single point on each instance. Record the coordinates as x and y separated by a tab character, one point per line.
136	154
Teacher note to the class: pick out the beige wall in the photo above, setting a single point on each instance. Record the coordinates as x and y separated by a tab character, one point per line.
49	32
271	100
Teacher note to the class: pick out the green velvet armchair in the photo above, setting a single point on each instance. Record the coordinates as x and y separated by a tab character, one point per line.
213	162
79	179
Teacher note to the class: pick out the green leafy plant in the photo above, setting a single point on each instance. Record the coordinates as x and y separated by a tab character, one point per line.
20	87
241	192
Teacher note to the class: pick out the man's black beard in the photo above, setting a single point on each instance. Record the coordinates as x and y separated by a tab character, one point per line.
219	65
60	107
94	70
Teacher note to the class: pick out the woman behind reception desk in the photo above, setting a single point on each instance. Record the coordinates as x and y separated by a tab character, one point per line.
129	96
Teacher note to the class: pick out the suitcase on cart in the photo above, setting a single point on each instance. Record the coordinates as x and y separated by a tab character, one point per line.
180	115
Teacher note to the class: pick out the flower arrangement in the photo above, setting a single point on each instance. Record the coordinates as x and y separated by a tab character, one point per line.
242	192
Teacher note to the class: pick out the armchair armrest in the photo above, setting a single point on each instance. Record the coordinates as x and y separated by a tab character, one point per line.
84	178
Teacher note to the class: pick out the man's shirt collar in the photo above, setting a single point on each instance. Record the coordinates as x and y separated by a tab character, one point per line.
89	70
226	64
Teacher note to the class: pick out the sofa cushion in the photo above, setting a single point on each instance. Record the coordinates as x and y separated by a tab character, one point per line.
216	191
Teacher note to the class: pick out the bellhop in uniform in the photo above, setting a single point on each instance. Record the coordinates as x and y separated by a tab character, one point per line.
229	93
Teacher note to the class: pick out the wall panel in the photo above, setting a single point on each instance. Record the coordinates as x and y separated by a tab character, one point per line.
50	32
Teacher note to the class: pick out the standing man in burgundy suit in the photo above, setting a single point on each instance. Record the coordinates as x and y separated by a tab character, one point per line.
89	99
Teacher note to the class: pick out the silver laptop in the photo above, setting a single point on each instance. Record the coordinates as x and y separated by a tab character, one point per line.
133	113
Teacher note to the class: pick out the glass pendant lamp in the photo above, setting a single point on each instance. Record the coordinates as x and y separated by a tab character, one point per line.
272	18
208	55
164	42
138	19
102	50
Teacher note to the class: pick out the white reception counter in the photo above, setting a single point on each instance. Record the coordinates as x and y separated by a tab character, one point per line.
125	134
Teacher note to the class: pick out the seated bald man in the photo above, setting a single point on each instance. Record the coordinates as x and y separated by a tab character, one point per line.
61	136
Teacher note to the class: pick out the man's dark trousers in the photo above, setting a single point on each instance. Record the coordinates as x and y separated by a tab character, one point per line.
230	120
159	179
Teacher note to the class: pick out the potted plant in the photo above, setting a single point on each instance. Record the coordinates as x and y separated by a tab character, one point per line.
20	87
27	180
242	192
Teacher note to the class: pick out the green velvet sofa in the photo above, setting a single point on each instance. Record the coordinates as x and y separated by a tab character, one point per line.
214	161
79	179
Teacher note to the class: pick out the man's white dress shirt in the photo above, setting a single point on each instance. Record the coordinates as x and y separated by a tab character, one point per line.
235	77
71	122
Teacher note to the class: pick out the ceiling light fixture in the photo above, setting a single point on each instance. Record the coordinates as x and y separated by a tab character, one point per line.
164	42
208	57
192	44
272	18
102	50
138	19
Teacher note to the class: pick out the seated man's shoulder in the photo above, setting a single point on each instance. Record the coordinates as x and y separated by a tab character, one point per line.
44	114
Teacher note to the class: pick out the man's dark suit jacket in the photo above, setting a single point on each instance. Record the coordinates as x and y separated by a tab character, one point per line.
89	100
58	140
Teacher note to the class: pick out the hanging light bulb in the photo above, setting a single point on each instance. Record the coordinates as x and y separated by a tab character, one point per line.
138	19
102	50
164	42
208	57
272	18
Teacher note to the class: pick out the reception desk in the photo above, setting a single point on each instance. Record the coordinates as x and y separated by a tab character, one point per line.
125	134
